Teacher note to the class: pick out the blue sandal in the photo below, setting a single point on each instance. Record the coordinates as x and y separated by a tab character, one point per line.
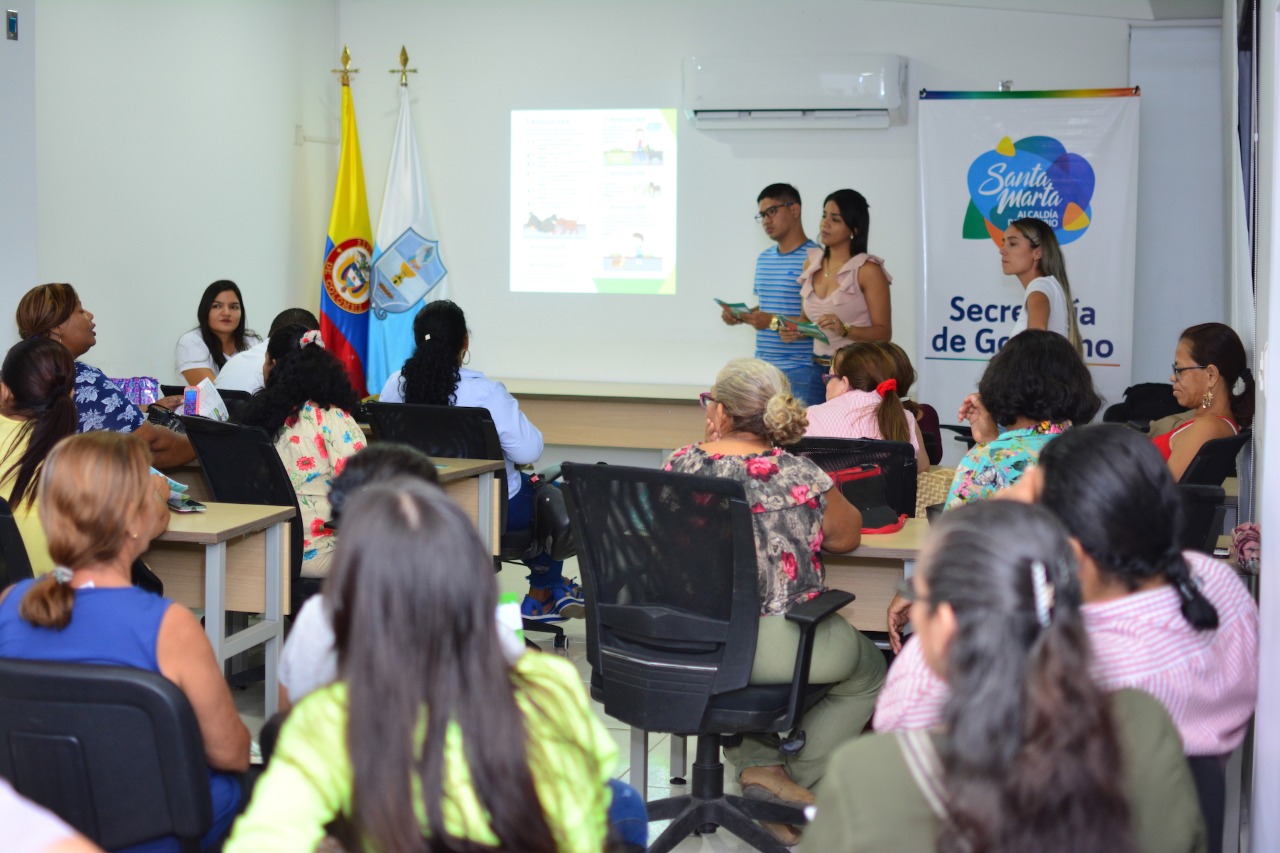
540	611
568	598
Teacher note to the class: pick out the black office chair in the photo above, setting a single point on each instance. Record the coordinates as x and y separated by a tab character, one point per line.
241	466
1209	774
14	563
115	752
1142	404
673	607
1216	460
931	432
897	461
466	432
1204	508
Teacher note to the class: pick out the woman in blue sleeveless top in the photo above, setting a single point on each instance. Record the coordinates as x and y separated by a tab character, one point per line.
100	509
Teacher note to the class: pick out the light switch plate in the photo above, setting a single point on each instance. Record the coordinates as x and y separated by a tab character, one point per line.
11	26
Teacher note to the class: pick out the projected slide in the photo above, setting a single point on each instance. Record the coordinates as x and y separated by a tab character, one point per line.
593	201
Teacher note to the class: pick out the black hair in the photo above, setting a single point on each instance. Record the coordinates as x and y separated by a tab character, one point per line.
202	318
1038	375
430	376
1109	486
300	375
375	463
1031	759
294	317
40	374
1219	345
856	214
411	638
784	193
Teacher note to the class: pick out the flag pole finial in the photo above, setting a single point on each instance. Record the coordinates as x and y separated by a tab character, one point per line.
404	70
346	70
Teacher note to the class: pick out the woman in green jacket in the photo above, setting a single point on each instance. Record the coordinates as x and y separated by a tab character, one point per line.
1031	755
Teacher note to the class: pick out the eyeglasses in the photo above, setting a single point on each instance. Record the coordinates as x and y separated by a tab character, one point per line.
706	399
1177	371
768	212
827	377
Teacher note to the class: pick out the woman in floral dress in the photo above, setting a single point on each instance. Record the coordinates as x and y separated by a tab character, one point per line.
797	513
306	408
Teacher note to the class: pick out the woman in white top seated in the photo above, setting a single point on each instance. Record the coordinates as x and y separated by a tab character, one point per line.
435	376
1031	252
863	399
220	334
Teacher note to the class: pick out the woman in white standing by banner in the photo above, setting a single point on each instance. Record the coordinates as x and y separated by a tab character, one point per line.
1031	252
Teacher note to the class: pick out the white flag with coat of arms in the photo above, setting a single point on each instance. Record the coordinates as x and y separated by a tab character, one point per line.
407	269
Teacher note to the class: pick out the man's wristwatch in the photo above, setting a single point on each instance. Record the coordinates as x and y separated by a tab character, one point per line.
776	323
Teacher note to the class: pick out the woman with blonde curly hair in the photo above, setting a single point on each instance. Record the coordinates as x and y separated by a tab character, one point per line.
797	513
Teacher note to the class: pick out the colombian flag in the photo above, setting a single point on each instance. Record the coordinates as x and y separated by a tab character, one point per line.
348	252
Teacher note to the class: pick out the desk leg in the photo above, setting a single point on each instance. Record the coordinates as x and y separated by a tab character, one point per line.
274	603
484	513
908	568
215	598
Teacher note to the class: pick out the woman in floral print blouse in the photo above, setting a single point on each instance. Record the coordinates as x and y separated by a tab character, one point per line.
306	407
1035	388
797	513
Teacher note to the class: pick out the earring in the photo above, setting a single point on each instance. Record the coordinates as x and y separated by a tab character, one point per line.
1207	400
466	357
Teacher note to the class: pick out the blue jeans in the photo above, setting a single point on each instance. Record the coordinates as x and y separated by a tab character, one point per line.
628	816
806	383
544	572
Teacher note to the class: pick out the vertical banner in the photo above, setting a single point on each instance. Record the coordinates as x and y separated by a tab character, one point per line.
407	267
1069	158
344	291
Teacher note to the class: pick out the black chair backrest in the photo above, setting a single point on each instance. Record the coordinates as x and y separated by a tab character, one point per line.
669	562
115	752
1143	403
1203	512
1216	460
897	460
241	466
14	563
450	432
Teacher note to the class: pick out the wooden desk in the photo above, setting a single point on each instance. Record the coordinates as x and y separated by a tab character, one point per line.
462	479
472	483
611	414
872	572
243	568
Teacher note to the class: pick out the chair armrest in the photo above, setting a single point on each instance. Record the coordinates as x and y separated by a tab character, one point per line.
814	611
547	475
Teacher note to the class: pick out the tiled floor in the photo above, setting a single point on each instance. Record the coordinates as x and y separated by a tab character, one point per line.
512	578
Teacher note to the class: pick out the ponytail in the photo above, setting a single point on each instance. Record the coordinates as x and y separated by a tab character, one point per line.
1242	404
1196	609
889	413
40	375
49	602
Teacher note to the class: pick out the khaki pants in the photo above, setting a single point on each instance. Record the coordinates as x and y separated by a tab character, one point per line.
841	655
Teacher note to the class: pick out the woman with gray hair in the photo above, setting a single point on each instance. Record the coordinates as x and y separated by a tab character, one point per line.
797	513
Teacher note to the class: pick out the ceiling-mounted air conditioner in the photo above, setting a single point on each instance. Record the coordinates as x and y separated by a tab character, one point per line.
865	90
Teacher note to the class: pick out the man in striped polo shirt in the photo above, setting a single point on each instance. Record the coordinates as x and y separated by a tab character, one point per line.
777	269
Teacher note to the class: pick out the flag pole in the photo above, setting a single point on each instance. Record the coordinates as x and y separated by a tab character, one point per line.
346	70
404	70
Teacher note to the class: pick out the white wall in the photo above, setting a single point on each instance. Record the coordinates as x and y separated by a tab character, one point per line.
17	159
480	60
167	160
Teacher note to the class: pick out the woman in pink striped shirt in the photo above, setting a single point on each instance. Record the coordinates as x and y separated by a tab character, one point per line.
1176	624
864	398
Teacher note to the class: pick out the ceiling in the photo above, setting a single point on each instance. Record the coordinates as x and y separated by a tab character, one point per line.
1133	10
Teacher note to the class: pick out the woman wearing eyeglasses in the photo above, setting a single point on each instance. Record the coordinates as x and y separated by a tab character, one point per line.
847	297
1032	753
1209	376
797	513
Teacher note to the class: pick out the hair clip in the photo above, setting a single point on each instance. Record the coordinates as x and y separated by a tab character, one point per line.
426	337
1043	591
886	386
1188	588
61	574
312	337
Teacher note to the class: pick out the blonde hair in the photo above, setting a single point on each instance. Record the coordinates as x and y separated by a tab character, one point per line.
757	397
90	487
